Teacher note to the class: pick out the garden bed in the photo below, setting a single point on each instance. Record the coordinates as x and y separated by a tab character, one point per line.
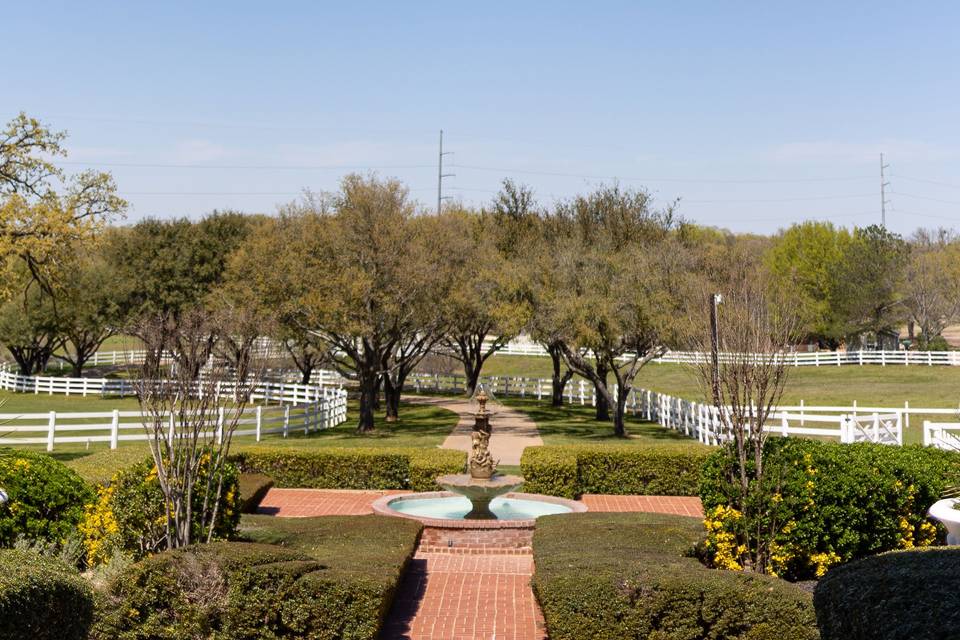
613	576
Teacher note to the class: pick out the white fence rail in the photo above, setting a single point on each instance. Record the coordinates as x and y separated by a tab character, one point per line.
794	359
53	428
308	407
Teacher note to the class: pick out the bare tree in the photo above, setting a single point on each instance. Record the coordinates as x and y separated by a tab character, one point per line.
932	275
190	410
744	382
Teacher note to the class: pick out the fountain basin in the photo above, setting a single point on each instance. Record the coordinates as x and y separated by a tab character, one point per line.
943	510
479	492
447	509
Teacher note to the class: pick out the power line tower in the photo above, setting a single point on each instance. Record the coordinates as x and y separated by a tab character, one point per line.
883	192
440	174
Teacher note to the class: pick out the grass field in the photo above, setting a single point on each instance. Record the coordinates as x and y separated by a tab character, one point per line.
931	387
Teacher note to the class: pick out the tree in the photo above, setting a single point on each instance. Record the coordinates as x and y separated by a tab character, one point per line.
37	224
807	260
622	275
489	304
28	325
360	288
756	320
932	284
190	423
870	277
89	306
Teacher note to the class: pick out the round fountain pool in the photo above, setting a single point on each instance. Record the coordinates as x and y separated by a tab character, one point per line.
456	507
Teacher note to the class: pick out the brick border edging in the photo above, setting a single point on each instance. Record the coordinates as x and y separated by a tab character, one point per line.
381	506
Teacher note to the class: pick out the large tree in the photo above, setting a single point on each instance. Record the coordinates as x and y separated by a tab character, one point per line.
489	303
932	284
28	324
43	212
623	274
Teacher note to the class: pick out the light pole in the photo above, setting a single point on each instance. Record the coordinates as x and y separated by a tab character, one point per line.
715	300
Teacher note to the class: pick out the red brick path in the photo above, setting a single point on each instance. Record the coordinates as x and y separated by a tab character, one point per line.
466	597
453	593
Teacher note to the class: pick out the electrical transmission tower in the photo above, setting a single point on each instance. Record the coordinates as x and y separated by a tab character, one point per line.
440	174
883	192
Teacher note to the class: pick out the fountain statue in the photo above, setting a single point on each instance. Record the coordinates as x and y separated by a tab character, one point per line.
482	484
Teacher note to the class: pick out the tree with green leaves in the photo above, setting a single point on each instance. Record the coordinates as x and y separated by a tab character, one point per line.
28	324
38	222
931	291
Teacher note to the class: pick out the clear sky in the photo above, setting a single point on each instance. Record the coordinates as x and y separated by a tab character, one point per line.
755	114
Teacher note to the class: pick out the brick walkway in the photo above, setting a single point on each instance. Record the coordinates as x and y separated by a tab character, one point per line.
466	597
458	596
675	505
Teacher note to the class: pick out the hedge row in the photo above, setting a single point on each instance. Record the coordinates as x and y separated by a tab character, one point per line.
353	468
253	488
632	576
42	599
840	502
571	471
317	578
902	595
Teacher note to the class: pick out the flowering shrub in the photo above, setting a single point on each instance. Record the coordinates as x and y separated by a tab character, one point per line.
827	503
45	498
129	514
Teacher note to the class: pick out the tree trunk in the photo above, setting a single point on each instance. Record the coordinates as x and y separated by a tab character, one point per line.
369	390
306	371
558	381
472	370
619	413
378	385
391	395
603	406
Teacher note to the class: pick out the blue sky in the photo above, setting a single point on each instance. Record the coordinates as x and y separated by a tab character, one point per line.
754	114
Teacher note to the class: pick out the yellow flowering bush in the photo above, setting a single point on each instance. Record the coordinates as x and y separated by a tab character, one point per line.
130	514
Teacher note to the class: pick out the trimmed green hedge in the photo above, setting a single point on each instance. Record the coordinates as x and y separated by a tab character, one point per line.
42	599
98	468
352	468
838	502
571	471
45	498
294	578
631	576
902	595
253	487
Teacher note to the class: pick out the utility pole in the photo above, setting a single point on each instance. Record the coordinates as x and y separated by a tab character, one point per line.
883	192
715	300
440	174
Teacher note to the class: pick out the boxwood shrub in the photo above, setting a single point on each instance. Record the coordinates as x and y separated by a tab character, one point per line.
42	599
45	498
253	487
352	468
293	578
838	502
571	471
901	595
632	576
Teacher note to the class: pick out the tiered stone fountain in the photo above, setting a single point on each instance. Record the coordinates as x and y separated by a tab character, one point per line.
482	484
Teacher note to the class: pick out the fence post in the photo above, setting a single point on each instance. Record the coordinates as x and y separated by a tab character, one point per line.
172	427
883	358
259	421
801	412
784	425
286	419
51	430
115	429
219	425
539	389
906	413
581	394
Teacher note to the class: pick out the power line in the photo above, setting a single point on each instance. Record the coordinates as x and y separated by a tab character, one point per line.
255	167
924	180
649	179
440	174
773	200
910	195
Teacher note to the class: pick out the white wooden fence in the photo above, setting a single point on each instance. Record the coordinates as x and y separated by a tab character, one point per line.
87	427
307	407
794	359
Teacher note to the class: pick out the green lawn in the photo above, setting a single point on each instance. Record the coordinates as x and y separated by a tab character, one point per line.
928	387
573	424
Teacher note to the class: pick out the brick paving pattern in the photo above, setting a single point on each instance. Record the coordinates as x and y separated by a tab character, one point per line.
302	503
466	597
675	505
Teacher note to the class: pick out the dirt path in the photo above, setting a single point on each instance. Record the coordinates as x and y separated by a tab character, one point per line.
513	431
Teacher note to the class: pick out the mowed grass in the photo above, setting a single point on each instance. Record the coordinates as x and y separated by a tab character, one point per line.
869	385
575	424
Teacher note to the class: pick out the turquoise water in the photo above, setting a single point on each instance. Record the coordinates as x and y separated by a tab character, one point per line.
456	507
